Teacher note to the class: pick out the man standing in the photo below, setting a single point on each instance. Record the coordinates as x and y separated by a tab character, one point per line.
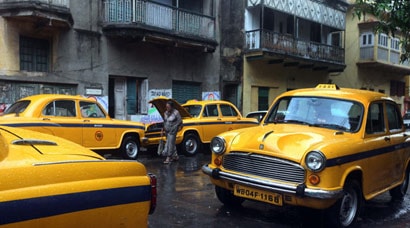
172	123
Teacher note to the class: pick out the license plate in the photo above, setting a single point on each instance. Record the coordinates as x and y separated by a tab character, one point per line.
259	195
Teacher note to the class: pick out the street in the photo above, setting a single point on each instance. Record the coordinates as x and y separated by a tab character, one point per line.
186	198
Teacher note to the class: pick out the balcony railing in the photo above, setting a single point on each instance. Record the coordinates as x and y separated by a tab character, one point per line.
62	3
381	53
285	44
159	16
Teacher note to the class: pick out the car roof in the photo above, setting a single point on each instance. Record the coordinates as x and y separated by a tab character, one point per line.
203	102
56	96
331	90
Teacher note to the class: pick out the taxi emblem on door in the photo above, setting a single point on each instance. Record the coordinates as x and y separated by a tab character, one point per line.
99	135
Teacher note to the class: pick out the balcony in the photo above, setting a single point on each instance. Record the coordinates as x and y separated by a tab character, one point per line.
159	23
44	13
384	58
303	53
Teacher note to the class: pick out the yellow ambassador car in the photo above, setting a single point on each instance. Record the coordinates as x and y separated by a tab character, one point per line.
202	120
325	148
47	181
78	119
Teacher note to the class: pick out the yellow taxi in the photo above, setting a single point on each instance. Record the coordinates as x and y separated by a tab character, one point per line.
47	181
326	148
202	120
76	118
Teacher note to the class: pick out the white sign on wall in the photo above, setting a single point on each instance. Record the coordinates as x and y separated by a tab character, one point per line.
153	114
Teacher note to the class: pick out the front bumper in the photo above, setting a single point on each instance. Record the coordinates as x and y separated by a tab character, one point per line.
299	190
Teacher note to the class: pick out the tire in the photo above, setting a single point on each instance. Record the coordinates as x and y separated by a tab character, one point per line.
345	211
227	197
191	144
130	148
398	193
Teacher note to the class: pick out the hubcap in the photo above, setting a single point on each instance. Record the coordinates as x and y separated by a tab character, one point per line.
131	150
348	208
191	146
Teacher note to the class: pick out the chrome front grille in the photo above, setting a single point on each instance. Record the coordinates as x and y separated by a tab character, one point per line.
264	166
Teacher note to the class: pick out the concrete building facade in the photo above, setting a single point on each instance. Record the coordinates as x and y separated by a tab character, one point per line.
124	52
373	59
290	44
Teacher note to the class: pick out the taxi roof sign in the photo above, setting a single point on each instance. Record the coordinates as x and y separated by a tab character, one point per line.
328	86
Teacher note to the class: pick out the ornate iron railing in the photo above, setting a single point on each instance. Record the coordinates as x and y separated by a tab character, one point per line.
286	44
63	3
160	16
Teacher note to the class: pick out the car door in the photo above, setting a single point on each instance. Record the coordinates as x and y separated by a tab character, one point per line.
212	122
98	129
378	150
230	117
397	137
59	118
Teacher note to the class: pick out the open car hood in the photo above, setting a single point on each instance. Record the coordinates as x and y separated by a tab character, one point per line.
160	102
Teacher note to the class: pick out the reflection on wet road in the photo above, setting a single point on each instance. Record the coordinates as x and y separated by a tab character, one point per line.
186	198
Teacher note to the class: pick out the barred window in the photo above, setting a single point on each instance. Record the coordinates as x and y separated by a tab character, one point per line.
34	54
395	44
383	40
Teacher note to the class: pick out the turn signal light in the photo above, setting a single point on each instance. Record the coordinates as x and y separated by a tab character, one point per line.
314	179
218	161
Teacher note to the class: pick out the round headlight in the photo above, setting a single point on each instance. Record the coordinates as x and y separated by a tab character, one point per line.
315	161
218	145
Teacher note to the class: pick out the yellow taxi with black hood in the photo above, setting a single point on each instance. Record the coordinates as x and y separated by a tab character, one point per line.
326	148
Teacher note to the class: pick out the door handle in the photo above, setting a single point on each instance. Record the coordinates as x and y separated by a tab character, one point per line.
46	118
86	121
387	139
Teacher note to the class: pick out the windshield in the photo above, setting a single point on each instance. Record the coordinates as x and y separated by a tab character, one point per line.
329	113
193	110
17	107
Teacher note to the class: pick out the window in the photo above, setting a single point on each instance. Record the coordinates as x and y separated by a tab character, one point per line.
268	19
383	40
210	111
91	110
393	117
63	108
263	98
375	119
137	90
227	110
395	44
366	40
34	54
397	88
17	107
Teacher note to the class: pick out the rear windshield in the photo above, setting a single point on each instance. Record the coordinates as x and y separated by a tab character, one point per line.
17	107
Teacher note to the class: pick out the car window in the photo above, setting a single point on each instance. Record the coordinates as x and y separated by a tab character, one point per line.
227	110
17	107
375	119
91	110
210	111
193	110
393	117
63	108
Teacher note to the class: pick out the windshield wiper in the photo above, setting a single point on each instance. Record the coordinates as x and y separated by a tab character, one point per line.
329	125
296	121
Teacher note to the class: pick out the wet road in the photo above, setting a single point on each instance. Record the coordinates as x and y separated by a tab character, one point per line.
186	198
